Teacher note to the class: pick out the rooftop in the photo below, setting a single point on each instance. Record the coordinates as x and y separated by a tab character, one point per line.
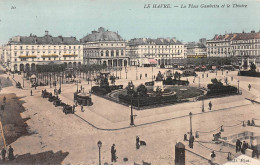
102	35
46	39
158	41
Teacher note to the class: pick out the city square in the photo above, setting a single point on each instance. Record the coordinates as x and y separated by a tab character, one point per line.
129	86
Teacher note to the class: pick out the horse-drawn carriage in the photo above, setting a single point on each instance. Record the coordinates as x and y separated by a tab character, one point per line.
58	102
52	98
46	94
18	85
68	109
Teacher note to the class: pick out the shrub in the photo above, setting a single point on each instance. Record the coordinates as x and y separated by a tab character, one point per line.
147	101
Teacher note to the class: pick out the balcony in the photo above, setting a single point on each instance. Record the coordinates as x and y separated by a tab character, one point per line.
51	55
27	56
70	55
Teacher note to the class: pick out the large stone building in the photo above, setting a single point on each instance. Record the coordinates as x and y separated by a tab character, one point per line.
23	53
219	46
160	51
105	47
246	46
197	50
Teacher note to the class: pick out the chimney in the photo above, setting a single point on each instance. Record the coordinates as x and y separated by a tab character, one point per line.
46	32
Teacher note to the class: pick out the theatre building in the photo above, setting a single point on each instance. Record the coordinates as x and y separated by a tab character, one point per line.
105	47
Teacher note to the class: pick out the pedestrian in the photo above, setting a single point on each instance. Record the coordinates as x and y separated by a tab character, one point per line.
146	75
191	140
207	75
237	145
210	105
212	157
254	147
11	153
31	92
243	149
231	78
113	153
252	123
74	108
185	137
81	106
137	142
249	87
3	153
4	99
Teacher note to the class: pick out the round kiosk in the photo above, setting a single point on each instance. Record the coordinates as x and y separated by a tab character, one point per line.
84	99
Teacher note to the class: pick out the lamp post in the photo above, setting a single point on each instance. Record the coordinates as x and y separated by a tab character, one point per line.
136	72
77	86
152	72
60	81
202	108
199	81
99	144
238	86
190	114
132	116
125	73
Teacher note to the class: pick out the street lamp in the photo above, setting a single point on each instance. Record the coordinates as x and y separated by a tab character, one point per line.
238	86
125	73
132	116
99	144
202	108
136	72
190	114
60	81
199	81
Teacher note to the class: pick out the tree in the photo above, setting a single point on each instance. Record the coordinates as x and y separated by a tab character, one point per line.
252	67
177	75
142	90
158	91
128	88
104	82
245	65
113	79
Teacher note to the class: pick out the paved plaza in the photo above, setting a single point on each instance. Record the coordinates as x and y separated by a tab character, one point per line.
107	121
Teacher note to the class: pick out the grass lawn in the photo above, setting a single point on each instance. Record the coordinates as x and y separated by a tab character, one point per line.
189	93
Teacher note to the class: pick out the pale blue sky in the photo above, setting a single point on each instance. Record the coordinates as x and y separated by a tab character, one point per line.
128	17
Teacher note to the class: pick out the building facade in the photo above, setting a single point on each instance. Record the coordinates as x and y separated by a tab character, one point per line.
246	46
160	51
197	50
23	53
220	45
105	47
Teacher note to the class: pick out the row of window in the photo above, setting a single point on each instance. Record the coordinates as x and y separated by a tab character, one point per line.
44	59
43	46
163	46
43	52
162	51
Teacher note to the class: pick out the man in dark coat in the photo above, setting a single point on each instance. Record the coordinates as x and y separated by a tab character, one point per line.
113	153
191	140
137	142
237	145
210	105
3	153
11	153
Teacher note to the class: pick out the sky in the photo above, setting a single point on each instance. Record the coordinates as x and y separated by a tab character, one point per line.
127	17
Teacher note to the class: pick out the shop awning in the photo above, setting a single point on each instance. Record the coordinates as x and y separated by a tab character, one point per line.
152	61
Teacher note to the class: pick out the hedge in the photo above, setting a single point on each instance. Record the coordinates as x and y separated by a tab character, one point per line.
221	90
172	82
249	73
105	90
147	101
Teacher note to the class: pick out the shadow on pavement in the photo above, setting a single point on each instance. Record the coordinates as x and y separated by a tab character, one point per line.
44	158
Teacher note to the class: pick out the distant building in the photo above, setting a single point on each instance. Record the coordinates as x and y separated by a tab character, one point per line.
246	46
219	46
105	47
160	51
197	50
23	53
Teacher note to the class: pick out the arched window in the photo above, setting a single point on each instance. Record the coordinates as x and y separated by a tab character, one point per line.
122	52
107	53
117	53
112	53
102	53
